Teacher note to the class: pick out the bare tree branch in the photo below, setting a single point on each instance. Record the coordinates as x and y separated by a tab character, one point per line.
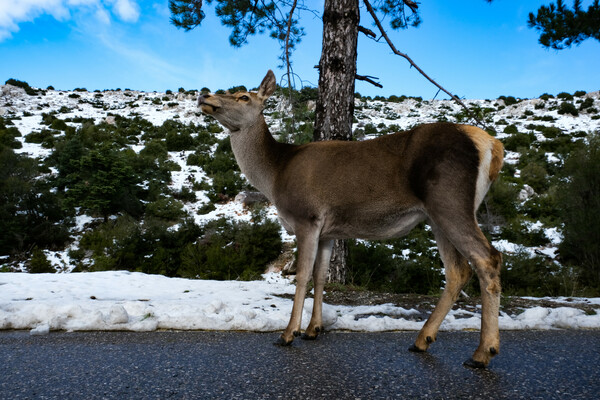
290	73
412	63
369	79
367	31
287	46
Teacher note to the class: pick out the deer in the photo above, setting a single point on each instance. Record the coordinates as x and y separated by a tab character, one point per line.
374	189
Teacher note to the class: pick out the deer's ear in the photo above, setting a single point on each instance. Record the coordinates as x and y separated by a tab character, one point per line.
267	86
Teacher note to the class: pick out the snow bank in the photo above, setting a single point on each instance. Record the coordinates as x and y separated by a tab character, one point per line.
120	300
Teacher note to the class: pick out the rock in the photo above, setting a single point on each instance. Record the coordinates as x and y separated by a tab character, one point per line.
526	193
251	198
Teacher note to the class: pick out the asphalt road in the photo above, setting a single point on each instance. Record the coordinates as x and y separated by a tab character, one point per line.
241	365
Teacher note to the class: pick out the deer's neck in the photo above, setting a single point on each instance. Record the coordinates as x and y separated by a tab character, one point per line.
258	154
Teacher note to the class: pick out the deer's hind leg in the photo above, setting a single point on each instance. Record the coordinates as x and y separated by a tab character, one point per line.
458	272
465	235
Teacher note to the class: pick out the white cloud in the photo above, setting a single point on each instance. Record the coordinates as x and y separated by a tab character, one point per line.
103	16
12	12
126	10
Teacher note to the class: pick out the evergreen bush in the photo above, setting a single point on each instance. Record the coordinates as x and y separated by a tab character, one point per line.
177	141
536	176
508	100
565	96
31	213
587	103
381	266
579	201
233	250
8	137
518	140
39	264
166	208
24	85
524	274
568	108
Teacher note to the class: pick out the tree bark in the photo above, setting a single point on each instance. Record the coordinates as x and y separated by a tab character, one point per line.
335	105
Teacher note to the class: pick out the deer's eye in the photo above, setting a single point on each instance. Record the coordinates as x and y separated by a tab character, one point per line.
244	98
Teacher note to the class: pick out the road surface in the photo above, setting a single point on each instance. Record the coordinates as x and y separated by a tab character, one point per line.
242	365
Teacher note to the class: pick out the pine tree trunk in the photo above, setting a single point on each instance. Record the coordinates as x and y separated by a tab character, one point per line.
335	106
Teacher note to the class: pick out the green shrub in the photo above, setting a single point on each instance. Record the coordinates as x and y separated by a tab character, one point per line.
162	246
370	129
587	103
179	141
214	128
543	207
8	137
233	250
225	185
579	200
517	231
45	137
565	96
39	264
568	108
562	145
501	200
511	129
508	100
103	181
532	275
155	149
166	208
518	140
24	85
30	211
550	132
536	176
59	125
222	168
185	195
236	89
114	245
379	265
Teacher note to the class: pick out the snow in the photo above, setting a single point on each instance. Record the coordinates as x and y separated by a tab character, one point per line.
132	301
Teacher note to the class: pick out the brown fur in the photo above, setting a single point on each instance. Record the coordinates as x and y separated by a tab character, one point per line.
375	189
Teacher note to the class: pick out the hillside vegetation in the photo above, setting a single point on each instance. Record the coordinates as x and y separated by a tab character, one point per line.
123	179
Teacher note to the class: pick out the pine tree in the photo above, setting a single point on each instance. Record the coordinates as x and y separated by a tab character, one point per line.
561	27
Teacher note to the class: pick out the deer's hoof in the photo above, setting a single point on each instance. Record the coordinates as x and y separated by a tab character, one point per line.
474	364
415	349
313	335
282	342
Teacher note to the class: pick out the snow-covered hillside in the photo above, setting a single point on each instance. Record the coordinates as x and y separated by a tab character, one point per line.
135	301
26	113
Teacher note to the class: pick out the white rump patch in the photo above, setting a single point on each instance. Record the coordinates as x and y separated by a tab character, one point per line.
483	176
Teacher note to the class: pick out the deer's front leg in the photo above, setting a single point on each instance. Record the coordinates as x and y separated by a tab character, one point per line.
319	277
307	253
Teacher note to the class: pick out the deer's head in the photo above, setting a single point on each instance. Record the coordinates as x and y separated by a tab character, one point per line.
241	109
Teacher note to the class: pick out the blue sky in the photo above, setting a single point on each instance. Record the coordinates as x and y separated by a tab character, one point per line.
474	49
